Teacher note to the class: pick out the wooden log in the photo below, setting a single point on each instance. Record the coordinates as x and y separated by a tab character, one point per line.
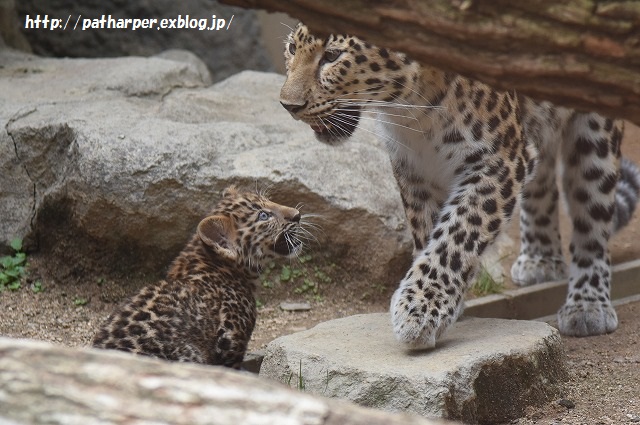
41	383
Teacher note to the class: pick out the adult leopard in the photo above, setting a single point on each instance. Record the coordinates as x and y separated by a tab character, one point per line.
463	155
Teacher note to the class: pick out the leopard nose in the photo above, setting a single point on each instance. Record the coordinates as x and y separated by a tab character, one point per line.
296	218
293	108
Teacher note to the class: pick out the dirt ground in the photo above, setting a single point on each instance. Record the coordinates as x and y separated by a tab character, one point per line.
604	385
605	371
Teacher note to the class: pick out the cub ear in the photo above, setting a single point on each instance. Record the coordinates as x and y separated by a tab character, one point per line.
230	192
217	232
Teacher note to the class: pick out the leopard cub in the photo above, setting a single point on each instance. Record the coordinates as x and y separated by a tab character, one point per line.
205	310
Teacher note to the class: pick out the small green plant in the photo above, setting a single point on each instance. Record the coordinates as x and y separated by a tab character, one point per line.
305	277
37	287
486	284
307	286
305	258
265	278
321	275
79	301
300	384
13	267
287	273
326	383
14	286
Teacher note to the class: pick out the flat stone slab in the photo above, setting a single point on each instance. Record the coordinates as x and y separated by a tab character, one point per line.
483	370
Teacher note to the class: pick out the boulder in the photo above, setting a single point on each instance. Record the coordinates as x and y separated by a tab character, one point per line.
130	153
42	383
17	201
482	371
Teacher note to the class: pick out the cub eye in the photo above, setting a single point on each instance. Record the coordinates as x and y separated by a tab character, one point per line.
331	55
292	48
263	215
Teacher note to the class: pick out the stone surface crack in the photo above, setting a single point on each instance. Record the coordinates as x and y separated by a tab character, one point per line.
172	87
18	115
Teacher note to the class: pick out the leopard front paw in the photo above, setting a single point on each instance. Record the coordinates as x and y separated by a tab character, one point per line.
420	315
587	318
529	270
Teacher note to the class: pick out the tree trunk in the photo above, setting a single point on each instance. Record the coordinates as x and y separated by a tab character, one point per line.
45	384
583	54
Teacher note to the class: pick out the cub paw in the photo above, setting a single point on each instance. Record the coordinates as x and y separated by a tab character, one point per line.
420	317
586	319
529	270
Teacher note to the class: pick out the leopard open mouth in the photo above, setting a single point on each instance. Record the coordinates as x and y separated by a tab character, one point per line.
337	127
287	244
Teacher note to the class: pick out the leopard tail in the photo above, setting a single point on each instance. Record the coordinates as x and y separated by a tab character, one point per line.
627	193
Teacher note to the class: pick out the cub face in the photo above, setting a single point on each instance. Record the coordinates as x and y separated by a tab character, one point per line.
249	229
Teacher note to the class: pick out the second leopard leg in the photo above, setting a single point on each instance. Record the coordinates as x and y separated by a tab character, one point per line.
430	297
540	258
591	154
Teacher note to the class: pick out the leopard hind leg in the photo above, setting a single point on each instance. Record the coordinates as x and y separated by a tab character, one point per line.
540	258
601	194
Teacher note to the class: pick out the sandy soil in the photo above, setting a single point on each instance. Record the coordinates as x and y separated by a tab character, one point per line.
605	378
604	387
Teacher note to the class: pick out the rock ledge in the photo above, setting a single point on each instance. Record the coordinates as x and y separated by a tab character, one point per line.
483	370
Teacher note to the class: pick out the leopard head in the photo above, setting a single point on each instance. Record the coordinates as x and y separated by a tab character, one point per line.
330	81
249	229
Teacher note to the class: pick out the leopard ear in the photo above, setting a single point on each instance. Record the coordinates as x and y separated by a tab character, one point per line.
230	192
217	232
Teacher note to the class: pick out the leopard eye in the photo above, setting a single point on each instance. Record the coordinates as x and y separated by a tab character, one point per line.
263	215
292	48
331	55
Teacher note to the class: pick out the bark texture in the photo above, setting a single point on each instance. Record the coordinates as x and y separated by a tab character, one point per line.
583	54
45	384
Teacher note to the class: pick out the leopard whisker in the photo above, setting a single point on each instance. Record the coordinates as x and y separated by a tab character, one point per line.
312	215
308	234
332	130
415	92
366	90
428	103
398	102
325	126
266	191
288	26
390	122
347	109
310	225
379	103
292	243
382	136
375	105
307	227
308	238
408	108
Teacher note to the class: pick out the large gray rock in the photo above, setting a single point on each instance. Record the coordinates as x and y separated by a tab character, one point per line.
482	371
225	52
16	192
42	383
133	151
